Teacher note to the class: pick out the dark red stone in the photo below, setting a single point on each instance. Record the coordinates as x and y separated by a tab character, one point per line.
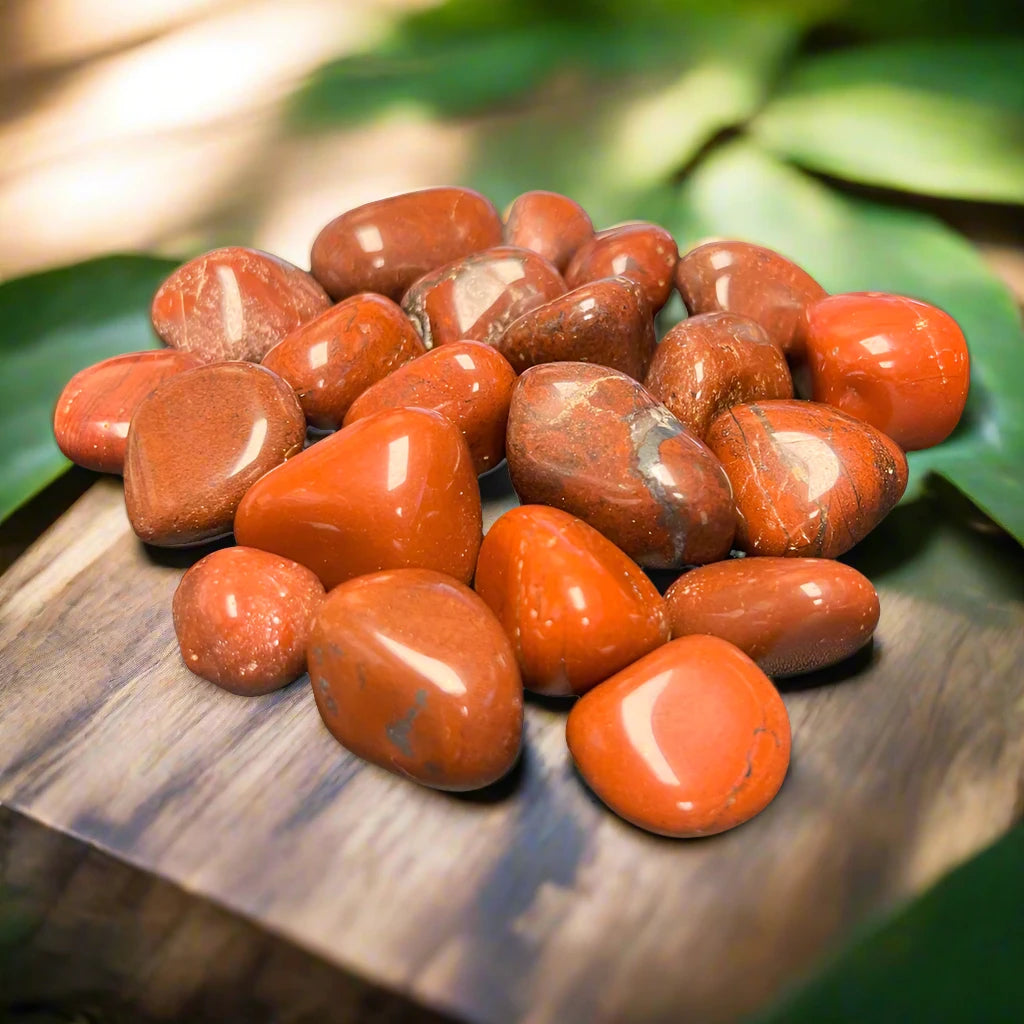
550	224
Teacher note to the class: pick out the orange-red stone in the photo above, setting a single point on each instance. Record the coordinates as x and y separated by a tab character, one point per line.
576	608
548	223
411	671
690	740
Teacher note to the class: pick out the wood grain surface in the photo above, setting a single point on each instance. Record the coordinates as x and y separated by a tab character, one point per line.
530	901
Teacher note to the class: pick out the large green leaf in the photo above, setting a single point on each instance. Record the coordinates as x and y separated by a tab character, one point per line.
851	245
51	326
943	118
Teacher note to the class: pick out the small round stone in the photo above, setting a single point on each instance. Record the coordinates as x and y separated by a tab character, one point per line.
550	224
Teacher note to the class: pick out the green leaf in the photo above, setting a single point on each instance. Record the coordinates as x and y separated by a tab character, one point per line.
942	118
853	245
52	325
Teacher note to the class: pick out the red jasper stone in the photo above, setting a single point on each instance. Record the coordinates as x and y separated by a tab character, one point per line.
606	322
386	245
394	490
690	740
548	223
737	277
243	619
808	479
790	615
234	303
576	607
708	363
896	363
333	359
468	382
411	671
92	415
198	442
478	296
647	253
593	442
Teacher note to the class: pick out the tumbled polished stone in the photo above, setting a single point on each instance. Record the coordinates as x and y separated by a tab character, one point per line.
384	246
690	740
394	490
576	608
644	252
234	303
708	363
243	619
548	223
790	615
198	442
411	671
593	442
468	382
606	322
92	415
899	364
478	296
808	479
737	277
333	359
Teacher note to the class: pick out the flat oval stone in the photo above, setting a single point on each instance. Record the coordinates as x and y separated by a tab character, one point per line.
645	252
690	740
808	479
477	297
791	615
896	363
593	442
394	490
198	442
331	360
708	363
576	608
412	672
384	246
234	303
550	224
468	382
92	415
737	277
243	619
606	322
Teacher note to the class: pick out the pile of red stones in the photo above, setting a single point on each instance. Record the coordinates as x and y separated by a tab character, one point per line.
433	339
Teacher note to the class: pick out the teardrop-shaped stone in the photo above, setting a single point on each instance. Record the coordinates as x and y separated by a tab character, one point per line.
550	224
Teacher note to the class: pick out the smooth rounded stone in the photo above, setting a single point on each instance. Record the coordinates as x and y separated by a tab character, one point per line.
548	223
690	740
899	364
468	382
809	480
791	615
384	246
412	672
606	322
576	608
243	619
644	252
708	363
478	296
332	360
198	442
234	303
394	490
593	442
90	422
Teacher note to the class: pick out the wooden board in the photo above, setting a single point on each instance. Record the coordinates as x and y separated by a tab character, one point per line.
528	902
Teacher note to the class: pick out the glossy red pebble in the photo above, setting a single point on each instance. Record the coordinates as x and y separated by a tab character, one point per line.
550	224
690	740
92	415
896	363
411	671
576	608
